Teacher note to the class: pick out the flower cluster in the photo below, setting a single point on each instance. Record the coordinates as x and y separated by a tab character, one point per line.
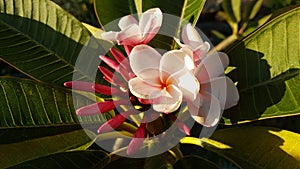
163	81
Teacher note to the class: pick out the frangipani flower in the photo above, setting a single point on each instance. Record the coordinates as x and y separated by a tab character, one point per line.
165	80
217	92
193	40
133	32
172	78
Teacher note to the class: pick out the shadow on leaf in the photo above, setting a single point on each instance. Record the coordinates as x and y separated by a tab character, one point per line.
257	88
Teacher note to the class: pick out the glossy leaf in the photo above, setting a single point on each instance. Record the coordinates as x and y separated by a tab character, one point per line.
15	153
267	70
26	103
76	159
256	147
189	147
41	40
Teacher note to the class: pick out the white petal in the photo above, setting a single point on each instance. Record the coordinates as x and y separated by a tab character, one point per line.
224	90
187	83
232	94
174	61
151	21
111	36
191	37
130	36
206	109
144	62
212	66
143	90
217	87
170	100
127	21
201	51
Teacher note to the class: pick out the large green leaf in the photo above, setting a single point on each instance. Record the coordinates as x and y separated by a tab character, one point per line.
76	159
15	153
26	103
267	70
255	147
40	39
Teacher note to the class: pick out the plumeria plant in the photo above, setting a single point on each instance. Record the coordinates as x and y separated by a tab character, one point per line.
146	90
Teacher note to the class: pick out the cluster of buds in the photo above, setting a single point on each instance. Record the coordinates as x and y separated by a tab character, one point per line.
160	82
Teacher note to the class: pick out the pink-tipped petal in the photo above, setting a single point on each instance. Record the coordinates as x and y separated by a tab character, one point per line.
138	139
111	63
120	58
111	36
78	85
191	37
212	66
183	127
100	107
130	36
150	23
115	121
107	90
111	77
143	90
170	100
112	123
201	51
128	49
206	110
127	21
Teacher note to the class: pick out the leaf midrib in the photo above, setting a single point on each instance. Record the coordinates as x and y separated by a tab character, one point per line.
40	45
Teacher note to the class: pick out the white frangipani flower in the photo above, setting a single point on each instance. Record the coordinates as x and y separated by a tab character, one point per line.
165	80
133	32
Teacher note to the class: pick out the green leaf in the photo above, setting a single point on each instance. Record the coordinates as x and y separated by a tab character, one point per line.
256	147
267	70
26	103
15	153
78	159
104	10
190	147
41	40
192	162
